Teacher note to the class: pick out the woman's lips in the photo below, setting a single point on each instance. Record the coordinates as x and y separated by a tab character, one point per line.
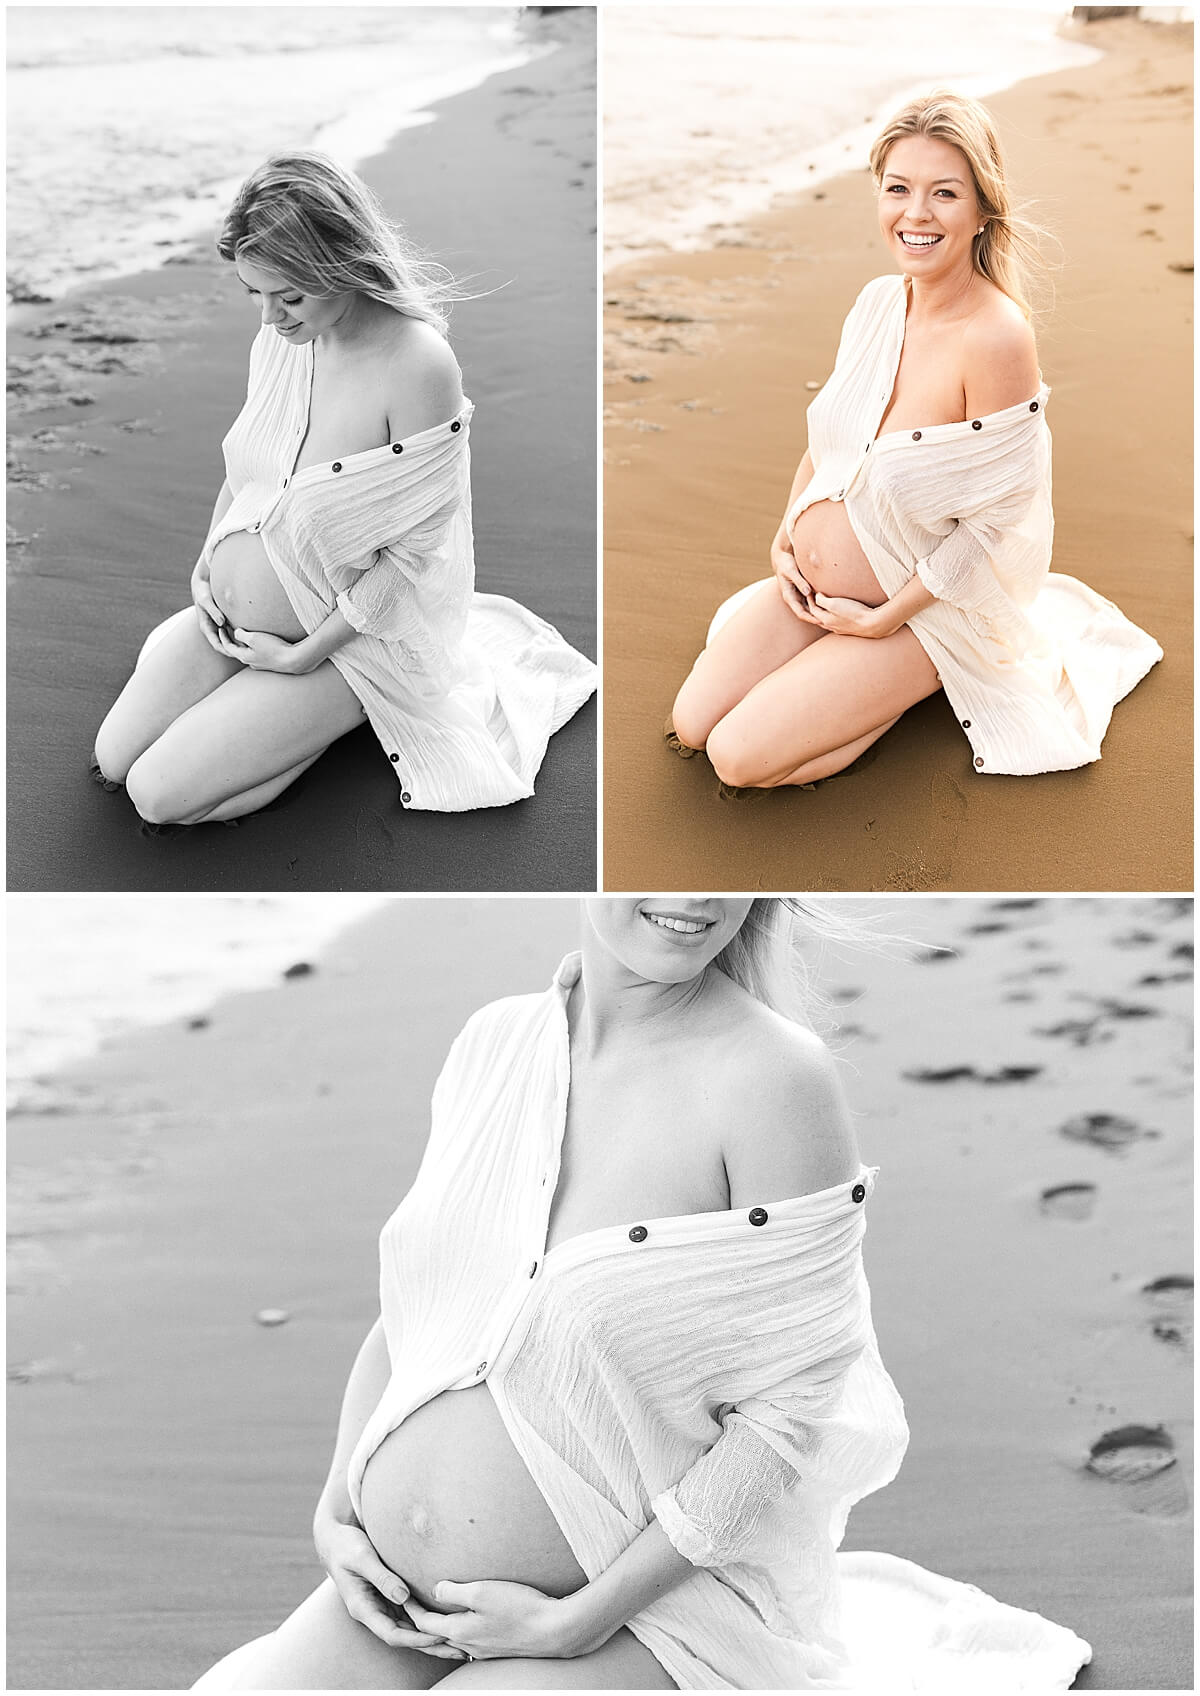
679	924
917	243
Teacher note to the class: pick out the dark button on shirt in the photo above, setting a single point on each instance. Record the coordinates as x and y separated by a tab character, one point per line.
397	447
456	425
395	759
916	435
638	1234
1033	406
405	797
975	424
966	724
979	759
858	1193
758	1215
337	465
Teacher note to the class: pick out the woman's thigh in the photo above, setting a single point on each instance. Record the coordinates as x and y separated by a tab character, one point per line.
836	691
252	728
179	670
755	641
319	1647
623	1663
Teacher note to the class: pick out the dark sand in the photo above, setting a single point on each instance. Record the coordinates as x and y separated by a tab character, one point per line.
502	187
167	1451
710	361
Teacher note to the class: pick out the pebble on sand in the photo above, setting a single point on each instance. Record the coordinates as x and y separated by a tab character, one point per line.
272	1316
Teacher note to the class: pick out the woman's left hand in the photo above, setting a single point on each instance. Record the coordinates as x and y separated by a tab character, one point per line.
842	617
495	1620
260	651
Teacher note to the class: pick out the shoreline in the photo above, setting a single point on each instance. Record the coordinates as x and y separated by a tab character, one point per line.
118	406
710	359
168	1449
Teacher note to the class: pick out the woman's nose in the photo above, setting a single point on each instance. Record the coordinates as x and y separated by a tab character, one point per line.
271	312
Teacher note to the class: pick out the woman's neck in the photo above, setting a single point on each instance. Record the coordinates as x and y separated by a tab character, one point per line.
943	297
609	998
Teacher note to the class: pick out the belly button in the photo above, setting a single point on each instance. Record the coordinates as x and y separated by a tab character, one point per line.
420	1522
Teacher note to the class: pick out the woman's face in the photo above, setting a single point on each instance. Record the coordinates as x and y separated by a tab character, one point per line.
664	938
928	209
297	317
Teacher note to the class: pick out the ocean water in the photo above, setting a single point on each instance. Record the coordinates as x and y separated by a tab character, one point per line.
710	112
83	969
130	127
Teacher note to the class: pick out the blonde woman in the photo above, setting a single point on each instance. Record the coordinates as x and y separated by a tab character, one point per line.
914	550
337	578
624	1387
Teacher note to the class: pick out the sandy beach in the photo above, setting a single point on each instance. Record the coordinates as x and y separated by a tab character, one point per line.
710	360
1026	1097
119	396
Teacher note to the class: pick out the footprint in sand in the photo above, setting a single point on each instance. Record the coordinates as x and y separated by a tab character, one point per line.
1069	1201
1110	1131
1171	1299
1016	905
958	1074
927	956
989	927
1141	1460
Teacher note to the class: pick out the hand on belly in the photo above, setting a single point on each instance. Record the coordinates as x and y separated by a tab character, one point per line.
246	589
447	1496
829	555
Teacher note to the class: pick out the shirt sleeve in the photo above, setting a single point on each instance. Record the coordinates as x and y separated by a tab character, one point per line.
799	1439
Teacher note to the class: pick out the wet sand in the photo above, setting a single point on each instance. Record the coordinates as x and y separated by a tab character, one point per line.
1027	1101
711	359
115	462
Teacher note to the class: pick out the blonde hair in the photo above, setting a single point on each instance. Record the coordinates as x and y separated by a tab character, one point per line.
318	225
778	952
1007	251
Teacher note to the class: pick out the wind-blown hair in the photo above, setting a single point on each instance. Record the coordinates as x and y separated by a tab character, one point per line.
316	224
1007	252
777	954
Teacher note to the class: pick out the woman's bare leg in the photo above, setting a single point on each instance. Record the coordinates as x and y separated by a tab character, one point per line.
179	670
816	713
241	745
320	1647
760	636
623	1663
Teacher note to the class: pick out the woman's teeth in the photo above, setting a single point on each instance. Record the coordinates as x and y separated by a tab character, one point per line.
689	927
918	241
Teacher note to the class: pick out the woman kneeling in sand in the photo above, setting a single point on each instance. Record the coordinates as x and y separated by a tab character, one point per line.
337	580
624	1387
914	552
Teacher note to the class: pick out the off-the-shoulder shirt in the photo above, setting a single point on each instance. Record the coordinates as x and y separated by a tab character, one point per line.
463	690
717	1372
1032	661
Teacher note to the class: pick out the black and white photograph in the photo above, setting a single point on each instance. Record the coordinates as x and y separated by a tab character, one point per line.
640	1292
302	448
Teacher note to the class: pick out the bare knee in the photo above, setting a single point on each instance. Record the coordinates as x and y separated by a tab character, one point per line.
113	754
691	715
735	759
157	793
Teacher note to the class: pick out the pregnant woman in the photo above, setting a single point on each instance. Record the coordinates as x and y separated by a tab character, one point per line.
624	1388
914	550
337	579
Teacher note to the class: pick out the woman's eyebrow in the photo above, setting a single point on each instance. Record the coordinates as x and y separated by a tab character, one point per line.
936	181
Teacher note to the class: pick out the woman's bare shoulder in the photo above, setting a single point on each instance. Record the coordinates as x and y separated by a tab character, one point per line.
422	381
999	355
790	1131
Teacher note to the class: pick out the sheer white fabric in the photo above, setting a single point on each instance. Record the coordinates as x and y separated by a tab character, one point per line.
1032	661
464	690
717	1371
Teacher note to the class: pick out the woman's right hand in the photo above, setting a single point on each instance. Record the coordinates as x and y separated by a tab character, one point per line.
207	611
792	585
371	1593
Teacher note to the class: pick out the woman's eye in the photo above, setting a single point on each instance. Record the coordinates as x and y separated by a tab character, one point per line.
295	302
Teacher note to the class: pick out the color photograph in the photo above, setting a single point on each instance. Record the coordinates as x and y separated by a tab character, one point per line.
507	1182
302	448
897	441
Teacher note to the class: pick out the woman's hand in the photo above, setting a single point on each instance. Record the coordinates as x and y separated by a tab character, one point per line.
207	611
843	617
370	1592
260	651
496	1620
793	586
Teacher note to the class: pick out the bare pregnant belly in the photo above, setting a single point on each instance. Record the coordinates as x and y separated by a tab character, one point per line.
446	1495
829	556
246	589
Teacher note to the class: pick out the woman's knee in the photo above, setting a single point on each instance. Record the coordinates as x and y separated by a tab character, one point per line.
159	794
692	714
113	753
734	757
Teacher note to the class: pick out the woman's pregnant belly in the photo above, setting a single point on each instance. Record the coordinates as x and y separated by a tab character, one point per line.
246	589
829	556
446	1495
